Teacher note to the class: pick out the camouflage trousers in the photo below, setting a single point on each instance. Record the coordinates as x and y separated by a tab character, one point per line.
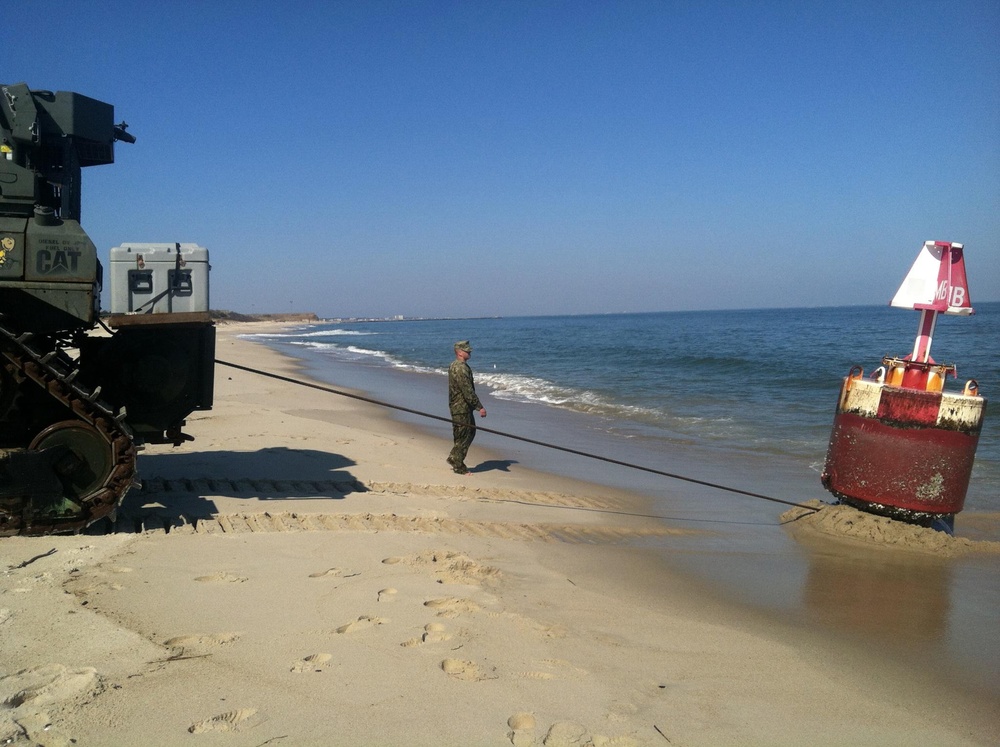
464	430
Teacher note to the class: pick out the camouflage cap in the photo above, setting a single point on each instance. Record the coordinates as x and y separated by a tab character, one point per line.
463	345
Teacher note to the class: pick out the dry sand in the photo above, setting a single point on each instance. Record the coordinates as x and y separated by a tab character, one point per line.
326	580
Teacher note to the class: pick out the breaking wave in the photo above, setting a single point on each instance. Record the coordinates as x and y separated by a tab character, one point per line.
293	335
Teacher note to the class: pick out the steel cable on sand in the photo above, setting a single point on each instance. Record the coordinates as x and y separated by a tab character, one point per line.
566	449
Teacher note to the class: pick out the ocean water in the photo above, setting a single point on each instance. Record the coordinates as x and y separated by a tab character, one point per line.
752	390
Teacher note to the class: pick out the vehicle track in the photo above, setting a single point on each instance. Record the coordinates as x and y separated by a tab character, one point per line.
55	373
292	521
157	520
247	487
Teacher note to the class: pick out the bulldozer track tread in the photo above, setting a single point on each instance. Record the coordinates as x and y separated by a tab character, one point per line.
268	488
269	522
158	490
56	374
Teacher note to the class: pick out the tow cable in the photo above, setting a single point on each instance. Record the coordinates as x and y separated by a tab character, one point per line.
609	460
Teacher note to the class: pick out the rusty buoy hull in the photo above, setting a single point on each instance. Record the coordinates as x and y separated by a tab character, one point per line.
904	453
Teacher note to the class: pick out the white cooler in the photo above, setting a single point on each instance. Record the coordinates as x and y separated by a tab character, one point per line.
159	278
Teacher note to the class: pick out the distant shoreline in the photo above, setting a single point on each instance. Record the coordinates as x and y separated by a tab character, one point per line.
312	317
233	316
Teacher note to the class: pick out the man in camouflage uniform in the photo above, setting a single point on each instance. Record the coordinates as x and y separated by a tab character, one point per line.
463	402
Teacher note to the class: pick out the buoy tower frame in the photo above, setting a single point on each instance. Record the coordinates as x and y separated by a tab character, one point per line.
901	446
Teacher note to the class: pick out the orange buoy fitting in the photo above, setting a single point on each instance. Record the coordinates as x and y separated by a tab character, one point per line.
901	446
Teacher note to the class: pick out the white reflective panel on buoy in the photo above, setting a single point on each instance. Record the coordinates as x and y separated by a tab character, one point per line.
936	281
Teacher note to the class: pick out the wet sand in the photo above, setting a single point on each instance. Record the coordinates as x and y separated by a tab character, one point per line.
309	571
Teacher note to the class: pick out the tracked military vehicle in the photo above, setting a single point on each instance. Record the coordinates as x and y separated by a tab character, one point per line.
81	392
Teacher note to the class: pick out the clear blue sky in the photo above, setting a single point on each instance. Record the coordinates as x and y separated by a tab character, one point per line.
502	158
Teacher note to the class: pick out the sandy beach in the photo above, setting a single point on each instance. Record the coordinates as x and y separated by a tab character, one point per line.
309	571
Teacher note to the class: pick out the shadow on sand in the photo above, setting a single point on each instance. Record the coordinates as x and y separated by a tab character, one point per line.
501	465
175	487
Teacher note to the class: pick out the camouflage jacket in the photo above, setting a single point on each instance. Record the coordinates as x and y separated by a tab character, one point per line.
461	389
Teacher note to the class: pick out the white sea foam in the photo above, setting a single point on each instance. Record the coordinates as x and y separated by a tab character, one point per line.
297	335
507	386
355	354
338	333
530	389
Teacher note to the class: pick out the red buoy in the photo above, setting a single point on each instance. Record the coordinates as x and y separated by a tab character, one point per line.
901	446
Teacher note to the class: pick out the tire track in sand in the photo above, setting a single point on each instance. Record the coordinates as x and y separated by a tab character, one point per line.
271	521
160	520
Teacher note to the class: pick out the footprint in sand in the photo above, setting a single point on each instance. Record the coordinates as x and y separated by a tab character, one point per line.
451	606
561	669
462	669
546	630
456	568
222	576
335	572
43	686
522	730
553	669
312	663
450	567
37	727
365	621
191	645
239	720
537	675
433	633
566	734
84	586
387	595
